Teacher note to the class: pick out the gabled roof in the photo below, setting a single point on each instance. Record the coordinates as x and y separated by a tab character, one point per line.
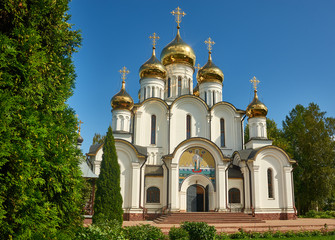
86	171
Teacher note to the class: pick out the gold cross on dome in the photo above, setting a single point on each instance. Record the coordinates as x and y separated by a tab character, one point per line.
124	73
178	14
154	37
255	82
79	126
197	67
209	43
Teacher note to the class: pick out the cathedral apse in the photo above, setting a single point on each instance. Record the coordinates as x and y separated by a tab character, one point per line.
196	160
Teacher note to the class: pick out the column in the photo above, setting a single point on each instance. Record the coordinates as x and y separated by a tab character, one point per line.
221	188
135	185
174	196
257	200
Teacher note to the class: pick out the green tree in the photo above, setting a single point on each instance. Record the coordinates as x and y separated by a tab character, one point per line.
311	137
108	199
98	138
40	181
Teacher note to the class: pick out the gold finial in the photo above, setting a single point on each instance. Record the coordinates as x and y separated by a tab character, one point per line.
154	37
79	126
178	14
209	43
197	67
255	82
124	73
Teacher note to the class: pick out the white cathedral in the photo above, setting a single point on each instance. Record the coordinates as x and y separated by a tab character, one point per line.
181	148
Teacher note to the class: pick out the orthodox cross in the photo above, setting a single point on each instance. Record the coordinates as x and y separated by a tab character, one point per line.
255	82
154	37
197	67
124	73
178	14
79	126
209	43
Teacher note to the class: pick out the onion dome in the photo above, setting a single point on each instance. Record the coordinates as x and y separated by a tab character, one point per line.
122	100
178	51
80	139
153	68
256	108
210	72
196	91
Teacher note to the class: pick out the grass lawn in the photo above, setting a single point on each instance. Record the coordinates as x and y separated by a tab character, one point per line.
300	238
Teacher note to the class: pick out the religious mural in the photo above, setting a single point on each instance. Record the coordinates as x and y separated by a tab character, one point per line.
196	160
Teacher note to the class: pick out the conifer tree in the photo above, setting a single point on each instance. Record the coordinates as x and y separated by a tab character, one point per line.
40	180
108	199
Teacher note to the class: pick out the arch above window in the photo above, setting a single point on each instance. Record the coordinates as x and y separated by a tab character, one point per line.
153	195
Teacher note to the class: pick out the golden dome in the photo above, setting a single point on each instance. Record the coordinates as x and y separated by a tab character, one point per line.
196	91
256	108
122	100
210	72
153	68
178	51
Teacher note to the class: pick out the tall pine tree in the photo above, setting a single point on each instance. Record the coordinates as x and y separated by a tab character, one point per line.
108	199
40	181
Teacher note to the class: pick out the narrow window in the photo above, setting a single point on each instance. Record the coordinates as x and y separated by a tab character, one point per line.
234	195
189	86
270	184
213	97
179	86
153	195
169	87
145	93
188	126
153	129
222	133
153	92
205	97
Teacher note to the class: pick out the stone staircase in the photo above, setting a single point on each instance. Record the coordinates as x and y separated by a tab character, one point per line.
208	217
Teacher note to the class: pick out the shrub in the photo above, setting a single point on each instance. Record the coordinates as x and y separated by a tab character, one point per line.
178	234
143	232
199	230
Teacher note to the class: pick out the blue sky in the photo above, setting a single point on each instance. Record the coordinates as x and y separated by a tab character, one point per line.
289	45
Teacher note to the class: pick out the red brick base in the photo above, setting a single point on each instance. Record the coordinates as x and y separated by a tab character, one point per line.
133	217
276	216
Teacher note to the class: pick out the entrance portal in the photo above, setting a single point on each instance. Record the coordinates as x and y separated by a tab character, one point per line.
197	198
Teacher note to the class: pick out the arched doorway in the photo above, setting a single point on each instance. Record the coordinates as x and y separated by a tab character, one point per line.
197	198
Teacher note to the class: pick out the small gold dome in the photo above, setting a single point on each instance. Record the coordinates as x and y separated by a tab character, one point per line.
196	91
210	72
256	108
122	100
153	68
178	51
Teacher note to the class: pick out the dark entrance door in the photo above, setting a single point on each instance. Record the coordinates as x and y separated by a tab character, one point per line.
196	198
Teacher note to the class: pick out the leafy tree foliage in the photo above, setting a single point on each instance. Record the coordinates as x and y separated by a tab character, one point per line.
311	137
108	199
98	138
40	180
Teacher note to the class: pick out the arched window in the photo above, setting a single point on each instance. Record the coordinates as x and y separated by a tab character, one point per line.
188	126
153	92
214	97
145	93
179	86
222	133
270	183
153	129
205	97
234	195
169	87
153	195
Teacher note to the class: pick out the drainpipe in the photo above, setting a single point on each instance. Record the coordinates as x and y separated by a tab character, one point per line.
141	185
169	123
251	205
167	182
242	131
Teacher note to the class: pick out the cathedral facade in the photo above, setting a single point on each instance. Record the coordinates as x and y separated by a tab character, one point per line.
181	147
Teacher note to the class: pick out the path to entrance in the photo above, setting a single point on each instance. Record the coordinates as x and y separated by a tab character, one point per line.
300	224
